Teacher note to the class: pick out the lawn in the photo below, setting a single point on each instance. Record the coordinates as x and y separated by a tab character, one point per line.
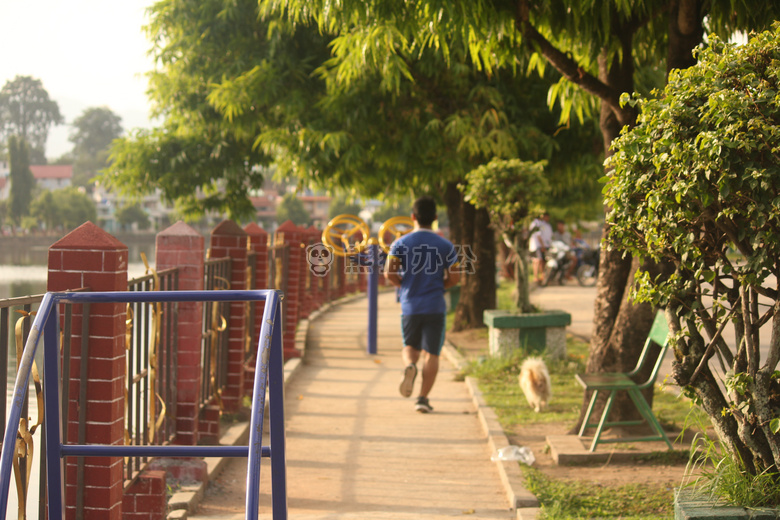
564	499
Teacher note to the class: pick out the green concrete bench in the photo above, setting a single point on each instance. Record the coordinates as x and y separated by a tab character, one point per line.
613	382
539	331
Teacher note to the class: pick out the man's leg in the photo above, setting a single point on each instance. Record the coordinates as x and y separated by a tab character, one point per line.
410	356
429	370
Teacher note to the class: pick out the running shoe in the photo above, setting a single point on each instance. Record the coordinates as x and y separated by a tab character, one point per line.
407	381
423	406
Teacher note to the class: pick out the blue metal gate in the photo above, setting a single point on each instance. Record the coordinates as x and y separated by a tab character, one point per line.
269	374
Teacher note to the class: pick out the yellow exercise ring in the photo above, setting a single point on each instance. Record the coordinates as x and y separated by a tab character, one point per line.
397	227
340	234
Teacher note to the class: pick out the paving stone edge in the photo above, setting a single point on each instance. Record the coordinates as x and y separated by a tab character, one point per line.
185	501
522	500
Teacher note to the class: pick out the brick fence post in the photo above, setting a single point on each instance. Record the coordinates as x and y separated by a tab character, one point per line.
318	283
182	247
146	497
90	257
228	239
296	258
258	242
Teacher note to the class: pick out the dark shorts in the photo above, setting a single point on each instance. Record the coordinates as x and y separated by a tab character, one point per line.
424	331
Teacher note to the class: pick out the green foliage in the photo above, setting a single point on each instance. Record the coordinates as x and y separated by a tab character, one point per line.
713	472
45	211
397	208
704	154
202	159
94	130
27	112
21	178
341	204
291	208
510	191
131	214
63	209
696	180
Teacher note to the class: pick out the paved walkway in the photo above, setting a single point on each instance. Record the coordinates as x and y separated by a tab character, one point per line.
358	450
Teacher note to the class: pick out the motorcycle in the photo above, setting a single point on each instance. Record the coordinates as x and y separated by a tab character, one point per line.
558	262
588	269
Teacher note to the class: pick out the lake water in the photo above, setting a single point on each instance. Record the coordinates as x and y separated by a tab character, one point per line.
22	273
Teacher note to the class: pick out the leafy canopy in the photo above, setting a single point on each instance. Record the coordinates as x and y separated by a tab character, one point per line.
27	111
701	172
510	191
697	180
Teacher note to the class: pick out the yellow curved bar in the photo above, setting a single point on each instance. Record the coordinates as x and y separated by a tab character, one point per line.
340	230
396	226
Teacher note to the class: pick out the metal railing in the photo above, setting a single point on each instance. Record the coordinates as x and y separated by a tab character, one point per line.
13	334
151	341
270	375
214	352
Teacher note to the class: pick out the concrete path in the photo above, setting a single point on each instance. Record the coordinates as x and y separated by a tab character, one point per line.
356	449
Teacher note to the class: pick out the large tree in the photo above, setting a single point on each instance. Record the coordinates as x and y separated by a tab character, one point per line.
697	184
601	49
21	178
27	111
280	101
93	132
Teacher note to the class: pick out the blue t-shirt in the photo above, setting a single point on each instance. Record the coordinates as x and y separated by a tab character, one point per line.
424	257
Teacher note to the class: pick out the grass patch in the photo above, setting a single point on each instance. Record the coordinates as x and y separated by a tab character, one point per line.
561	500
565	500
497	379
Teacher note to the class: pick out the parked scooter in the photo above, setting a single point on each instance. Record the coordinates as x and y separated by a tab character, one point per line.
559	259
588	268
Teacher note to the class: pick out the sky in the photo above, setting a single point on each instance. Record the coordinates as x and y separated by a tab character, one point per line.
87	53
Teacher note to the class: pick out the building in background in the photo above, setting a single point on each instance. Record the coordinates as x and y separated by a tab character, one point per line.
52	176
47	177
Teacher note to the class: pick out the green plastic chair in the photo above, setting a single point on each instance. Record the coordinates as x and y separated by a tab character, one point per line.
614	382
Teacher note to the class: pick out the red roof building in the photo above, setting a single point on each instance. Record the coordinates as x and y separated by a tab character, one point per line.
52	176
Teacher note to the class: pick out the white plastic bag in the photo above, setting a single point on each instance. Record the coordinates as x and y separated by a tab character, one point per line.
519	453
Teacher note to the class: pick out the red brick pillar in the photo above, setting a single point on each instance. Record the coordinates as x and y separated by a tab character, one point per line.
228	239
318	283
342	285
292	236
90	257
146	498
258	242
182	247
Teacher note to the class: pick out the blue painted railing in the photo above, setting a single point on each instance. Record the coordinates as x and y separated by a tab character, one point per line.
269	374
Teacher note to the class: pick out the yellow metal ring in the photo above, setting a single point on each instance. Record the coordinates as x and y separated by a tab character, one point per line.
395	227
346	234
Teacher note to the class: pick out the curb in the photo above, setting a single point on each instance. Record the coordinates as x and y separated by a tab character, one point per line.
522	500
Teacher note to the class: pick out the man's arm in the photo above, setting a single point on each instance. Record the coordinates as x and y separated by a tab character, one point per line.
392	268
451	277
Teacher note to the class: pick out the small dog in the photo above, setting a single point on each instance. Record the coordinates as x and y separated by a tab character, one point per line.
535	383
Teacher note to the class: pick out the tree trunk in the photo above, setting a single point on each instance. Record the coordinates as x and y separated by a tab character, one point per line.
685	33
470	229
620	327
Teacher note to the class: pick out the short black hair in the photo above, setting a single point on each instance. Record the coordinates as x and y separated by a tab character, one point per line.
424	210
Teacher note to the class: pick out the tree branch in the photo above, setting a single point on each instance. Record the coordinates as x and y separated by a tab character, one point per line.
569	67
